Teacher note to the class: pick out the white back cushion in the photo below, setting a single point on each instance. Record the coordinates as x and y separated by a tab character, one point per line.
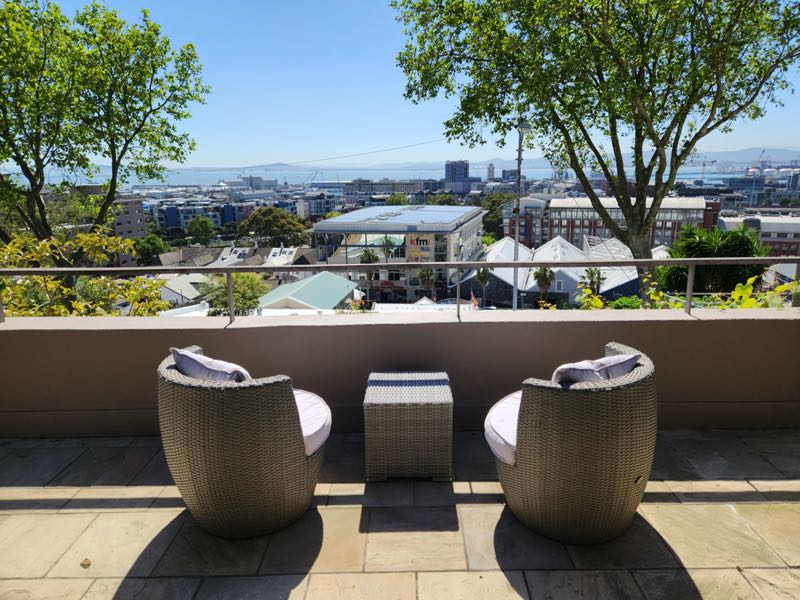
198	366
607	367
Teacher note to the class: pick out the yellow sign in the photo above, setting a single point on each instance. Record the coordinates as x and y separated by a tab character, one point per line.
419	247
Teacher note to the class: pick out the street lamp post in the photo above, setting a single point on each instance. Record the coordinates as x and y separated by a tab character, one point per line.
523	128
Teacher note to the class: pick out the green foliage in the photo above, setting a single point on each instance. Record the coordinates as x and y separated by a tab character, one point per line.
544	278
332	214
79	89
53	296
598	80
247	289
442	200
387	246
369	256
201	230
148	248
589	300
493	218
275	226
397	200
626	303
426	278
653	296
743	296
696	242
593	279
488	240
482	278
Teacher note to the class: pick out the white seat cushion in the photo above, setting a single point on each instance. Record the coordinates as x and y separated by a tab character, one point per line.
607	367
200	366
315	419
500	427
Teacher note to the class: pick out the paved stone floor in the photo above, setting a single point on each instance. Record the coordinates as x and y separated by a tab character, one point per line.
100	518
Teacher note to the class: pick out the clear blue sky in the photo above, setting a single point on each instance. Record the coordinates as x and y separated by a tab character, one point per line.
308	79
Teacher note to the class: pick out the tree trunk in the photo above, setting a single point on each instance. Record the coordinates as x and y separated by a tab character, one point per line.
640	248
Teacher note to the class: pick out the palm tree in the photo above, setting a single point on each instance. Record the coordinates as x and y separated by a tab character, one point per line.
368	257
544	277
482	278
593	279
387	246
426	279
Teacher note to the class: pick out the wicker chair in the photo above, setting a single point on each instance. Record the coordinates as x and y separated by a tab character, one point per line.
236	451
583	454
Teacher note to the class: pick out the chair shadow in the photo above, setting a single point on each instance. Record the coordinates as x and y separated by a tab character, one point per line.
185	562
639	560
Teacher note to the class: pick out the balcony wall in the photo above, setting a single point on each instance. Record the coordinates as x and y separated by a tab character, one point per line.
97	376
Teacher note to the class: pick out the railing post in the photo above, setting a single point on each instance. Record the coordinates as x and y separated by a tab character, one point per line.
229	285
2	309
458	295
689	289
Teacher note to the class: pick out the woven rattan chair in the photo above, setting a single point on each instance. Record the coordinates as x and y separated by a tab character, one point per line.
583	454
235	451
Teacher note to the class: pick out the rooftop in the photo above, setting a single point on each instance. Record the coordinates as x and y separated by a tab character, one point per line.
101	518
584	202
408	218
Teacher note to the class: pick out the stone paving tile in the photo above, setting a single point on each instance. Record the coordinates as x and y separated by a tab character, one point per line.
97	442
775	584
342	472
168	499
147	440
21	500
779	525
781	490
726	459
472	458
362	586
285	587
193	552
494	539
709	535
155	472
43	589
118	545
35	442
568	585
384	493
114	498
460	585
714	491
133	588
35	466
414	539
640	547
31	544
657	491
105	466
696	584
441	493
324	540
784	454
670	463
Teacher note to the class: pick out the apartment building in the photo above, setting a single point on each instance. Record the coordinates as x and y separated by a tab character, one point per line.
780	232
130	222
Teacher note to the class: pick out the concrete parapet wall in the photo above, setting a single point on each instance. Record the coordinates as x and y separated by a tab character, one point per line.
97	376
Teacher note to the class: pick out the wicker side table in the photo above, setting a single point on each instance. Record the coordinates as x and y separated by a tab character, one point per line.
408	426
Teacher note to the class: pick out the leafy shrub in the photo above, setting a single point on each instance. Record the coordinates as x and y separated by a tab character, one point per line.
626	303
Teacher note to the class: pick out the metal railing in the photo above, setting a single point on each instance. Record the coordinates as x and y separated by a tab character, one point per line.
459	267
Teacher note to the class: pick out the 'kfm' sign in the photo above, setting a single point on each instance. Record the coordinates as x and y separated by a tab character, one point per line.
419	246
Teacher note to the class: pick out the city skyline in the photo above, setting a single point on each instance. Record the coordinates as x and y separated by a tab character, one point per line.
327	86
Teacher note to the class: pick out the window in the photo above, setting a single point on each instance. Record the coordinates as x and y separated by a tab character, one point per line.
782	234
559	285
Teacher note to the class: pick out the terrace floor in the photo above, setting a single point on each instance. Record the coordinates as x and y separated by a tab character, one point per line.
99	518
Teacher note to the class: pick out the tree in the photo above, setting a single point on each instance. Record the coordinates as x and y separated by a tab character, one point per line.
368	257
594	77
426	279
41	295
488	240
493	218
482	277
696	242
247	290
201	229
332	214
387	246
442	199
544	277
94	86
148	249
275	226
397	200
593	279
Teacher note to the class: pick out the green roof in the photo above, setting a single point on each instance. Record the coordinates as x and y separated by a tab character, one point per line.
323	291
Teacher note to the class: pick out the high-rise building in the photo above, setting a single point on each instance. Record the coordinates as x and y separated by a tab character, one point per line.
456	171
490	172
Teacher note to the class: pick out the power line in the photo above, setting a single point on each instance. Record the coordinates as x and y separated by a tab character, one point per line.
304	162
